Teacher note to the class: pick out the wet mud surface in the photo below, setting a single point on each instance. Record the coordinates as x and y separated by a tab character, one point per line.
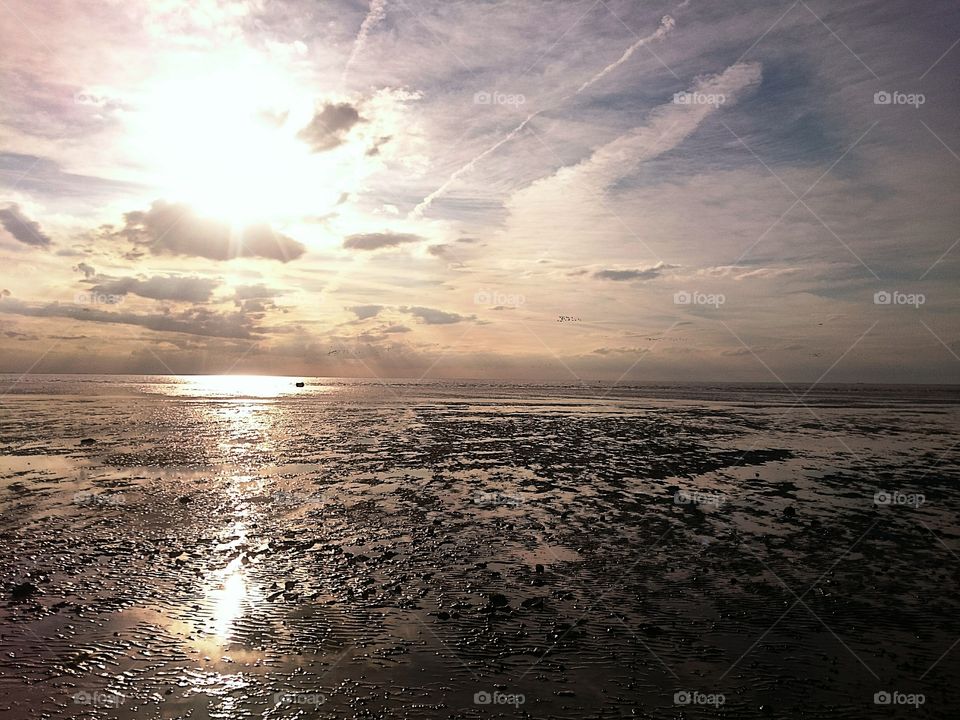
282	558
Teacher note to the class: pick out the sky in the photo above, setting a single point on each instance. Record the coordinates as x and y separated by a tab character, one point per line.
547	190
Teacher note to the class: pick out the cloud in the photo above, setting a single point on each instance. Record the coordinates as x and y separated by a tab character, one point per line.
364	312
667	126
374	149
42	176
375	241
393	329
15	335
176	229
23	228
430	316
571	200
617	351
256	292
376	13
88	270
160	287
424	204
634	274
667	24
329	126
194	321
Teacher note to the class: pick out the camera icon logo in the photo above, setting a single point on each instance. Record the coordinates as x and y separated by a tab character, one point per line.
682	697
482	98
882	97
882	497
882	698
482	297
682	298
882	297
482	698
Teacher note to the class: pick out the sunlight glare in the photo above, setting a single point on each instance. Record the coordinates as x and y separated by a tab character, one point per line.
224	140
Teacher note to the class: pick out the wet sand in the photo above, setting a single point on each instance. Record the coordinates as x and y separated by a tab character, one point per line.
413	552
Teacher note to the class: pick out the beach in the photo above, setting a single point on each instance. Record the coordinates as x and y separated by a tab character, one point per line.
217	548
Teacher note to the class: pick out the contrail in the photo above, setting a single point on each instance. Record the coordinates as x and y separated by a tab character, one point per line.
667	24
425	203
376	13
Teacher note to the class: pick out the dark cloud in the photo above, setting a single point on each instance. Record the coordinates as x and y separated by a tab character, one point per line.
393	329
15	335
375	241
194	321
175	229
88	270
616	351
363	312
430	316
257	300
23	228
375	148
635	274
160	287
329	126
257	307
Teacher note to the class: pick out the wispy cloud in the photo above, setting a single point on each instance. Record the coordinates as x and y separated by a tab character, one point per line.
376	13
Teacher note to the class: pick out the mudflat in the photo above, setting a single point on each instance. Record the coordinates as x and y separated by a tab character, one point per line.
469	551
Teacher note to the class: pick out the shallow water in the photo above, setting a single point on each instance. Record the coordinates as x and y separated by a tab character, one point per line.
239	549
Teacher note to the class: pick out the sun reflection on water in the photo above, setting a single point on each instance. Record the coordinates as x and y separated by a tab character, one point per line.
230	593
229	599
261	386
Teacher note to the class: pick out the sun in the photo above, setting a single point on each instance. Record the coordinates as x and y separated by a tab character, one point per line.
224	140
